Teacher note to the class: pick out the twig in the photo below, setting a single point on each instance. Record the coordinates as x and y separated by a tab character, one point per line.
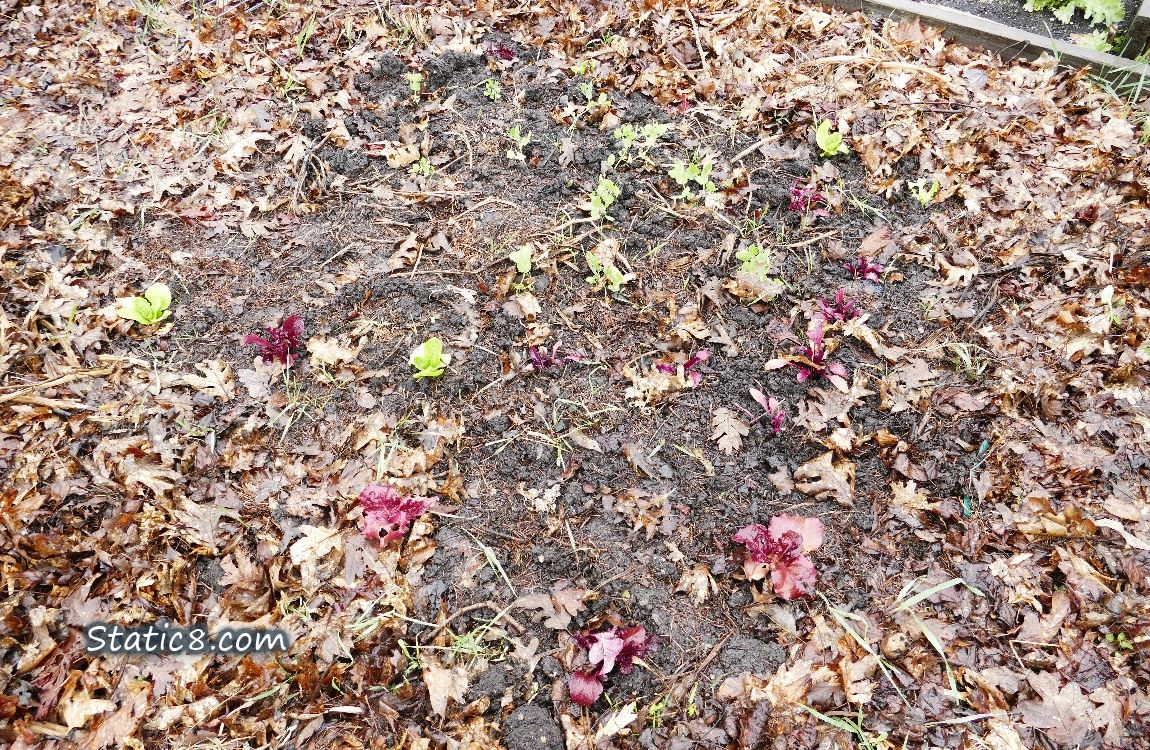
678	691
301	177
22	395
699	42
499	613
755	147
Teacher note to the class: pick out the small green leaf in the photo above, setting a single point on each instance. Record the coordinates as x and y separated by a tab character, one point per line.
679	172
149	309
429	360
830	142
521	258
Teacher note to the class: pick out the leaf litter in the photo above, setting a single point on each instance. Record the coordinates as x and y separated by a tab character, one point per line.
985	350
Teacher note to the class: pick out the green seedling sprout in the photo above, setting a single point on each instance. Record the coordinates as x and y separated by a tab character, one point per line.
429	360
492	89
922	193
602	197
628	136
830	142
696	171
754	260
520	139
149	309
614	278
423	167
521	258
415	83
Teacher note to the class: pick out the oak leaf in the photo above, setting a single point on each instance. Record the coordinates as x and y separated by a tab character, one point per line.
729	430
828	479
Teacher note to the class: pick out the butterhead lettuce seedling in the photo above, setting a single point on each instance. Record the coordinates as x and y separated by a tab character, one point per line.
429	360
617	647
779	550
521	258
149	309
830	142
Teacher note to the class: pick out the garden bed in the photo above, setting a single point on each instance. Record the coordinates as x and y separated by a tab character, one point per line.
839	270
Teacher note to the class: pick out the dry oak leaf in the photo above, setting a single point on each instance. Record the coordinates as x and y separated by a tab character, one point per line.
698	583
655	386
122	724
559	606
329	351
729	430
909	496
829	479
877	242
216	381
858	329
80	706
443	683
397	154
1064	714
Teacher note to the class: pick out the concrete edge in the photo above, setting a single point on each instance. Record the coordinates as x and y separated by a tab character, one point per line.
1138	35
1008	42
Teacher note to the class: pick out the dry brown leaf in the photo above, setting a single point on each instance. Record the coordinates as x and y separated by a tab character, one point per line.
1063	712
443	684
654	387
216	381
330	352
80	706
908	496
698	583
729	430
830	479
645	511
646	464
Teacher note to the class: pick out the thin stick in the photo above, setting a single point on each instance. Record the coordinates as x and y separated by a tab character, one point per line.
500	613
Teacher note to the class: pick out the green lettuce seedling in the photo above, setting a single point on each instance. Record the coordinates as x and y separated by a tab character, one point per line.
429	360
922	193
830	142
149	309
614	278
521	258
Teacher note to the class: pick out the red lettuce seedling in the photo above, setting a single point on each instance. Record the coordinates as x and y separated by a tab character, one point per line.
605	651
810	360
384	509
841	310
281	342
688	369
807	199
779	549
501	51
771	408
541	359
865	268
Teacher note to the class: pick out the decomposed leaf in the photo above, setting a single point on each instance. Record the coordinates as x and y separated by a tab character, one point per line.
729	430
698	583
828	479
443	683
328	351
217	381
616	722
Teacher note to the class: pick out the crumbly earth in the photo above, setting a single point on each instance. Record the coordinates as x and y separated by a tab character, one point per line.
980	472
